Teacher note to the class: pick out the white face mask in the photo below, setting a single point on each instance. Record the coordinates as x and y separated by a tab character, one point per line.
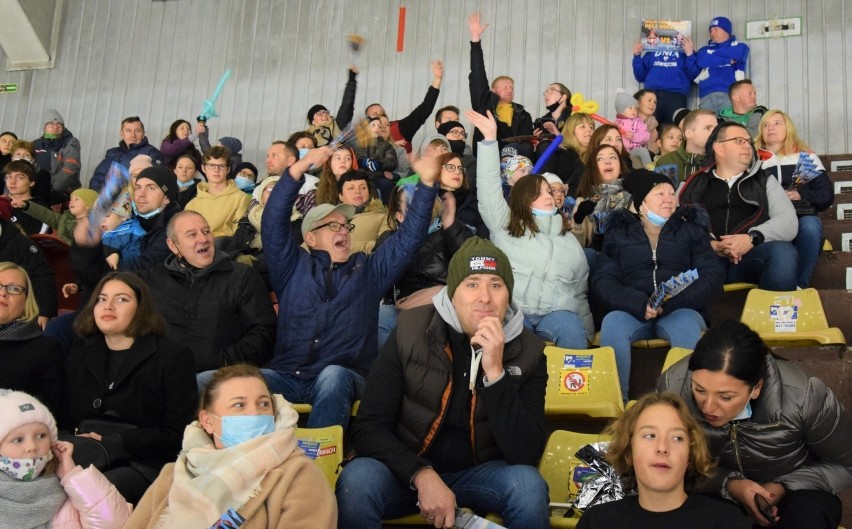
24	469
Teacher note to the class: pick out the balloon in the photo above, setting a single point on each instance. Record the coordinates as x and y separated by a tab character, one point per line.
590	107
209	108
547	153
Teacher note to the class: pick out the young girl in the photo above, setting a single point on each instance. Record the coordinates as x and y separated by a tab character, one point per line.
647	106
633	129
36	491
670	138
659	449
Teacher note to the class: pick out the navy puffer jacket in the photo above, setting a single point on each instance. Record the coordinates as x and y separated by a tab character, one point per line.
628	270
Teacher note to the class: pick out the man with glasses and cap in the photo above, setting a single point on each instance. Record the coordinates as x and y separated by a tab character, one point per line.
328	297
751	219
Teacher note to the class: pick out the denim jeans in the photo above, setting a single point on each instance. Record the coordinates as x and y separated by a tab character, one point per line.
562	327
368	492
808	245
682	328
772	265
715	101
330	394
387	323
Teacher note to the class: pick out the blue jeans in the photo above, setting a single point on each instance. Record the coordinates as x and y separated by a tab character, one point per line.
387	322
562	327
330	394
368	492
808	245
772	265
715	101
682	328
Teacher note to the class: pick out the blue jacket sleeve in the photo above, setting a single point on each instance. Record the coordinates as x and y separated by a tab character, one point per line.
280	249
640	69
691	66
818	192
394	256
99	176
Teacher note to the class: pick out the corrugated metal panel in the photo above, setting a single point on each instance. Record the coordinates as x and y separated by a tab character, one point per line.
160	60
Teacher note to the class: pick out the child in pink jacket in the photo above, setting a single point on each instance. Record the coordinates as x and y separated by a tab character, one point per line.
40	486
634	131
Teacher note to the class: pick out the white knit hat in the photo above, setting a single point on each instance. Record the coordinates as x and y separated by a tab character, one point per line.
18	408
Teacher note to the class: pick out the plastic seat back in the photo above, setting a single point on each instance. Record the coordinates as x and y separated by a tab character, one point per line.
582	382
557	468
674	356
789	318
329	453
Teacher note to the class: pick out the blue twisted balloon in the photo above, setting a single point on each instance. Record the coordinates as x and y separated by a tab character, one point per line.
209	104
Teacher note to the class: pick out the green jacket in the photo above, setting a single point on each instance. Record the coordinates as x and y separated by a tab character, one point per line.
62	223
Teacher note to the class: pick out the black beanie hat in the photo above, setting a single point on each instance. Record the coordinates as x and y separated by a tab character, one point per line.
314	109
478	256
447	126
641	182
164	178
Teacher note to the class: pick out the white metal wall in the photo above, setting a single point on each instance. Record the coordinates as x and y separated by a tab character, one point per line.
160	60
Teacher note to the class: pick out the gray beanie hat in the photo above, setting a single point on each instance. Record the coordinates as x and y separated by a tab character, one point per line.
52	116
623	101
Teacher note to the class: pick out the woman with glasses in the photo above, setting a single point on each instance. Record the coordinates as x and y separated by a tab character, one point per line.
31	362
219	199
776	133
550	269
557	101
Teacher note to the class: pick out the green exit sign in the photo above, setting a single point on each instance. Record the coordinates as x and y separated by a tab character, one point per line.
8	88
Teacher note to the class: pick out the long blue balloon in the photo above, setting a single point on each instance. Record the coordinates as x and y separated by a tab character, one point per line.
557	141
209	108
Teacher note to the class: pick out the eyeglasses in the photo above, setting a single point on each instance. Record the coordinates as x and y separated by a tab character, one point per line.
457	133
217	166
13	290
335	226
454	168
741	142
552	90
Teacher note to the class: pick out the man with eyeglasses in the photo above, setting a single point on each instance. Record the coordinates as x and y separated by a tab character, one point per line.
329	298
751	218
133	143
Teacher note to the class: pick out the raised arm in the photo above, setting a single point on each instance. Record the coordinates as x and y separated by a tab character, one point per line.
480	91
492	206
410	124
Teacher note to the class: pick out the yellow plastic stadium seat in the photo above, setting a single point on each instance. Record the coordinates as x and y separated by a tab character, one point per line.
330	452
674	355
789	318
557	466
582	382
305	409
653	343
731	287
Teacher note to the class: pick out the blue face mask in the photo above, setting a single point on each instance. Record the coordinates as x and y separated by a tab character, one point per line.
245	184
544	212
184	185
146	215
238	429
745	414
655	219
303	153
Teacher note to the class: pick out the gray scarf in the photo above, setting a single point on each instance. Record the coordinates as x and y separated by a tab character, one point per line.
30	504
19	330
513	323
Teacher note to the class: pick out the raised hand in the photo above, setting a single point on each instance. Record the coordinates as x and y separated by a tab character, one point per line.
476	27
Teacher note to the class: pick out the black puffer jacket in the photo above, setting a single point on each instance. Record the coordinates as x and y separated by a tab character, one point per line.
798	434
628	270
17	248
429	268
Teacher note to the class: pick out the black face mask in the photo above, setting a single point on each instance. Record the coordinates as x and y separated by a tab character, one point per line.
554	106
457	146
